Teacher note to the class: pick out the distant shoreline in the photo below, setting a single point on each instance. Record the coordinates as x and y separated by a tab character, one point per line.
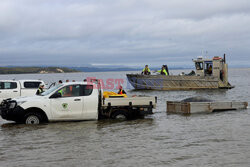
35	70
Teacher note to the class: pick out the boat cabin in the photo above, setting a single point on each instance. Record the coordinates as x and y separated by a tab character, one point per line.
215	67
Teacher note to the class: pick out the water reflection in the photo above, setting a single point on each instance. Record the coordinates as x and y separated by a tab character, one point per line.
76	125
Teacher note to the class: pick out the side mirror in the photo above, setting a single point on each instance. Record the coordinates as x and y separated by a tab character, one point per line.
56	95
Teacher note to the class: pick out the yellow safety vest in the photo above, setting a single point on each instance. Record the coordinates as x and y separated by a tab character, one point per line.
146	69
163	72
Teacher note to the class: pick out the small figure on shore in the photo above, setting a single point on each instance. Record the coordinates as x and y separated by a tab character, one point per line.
121	91
40	89
146	70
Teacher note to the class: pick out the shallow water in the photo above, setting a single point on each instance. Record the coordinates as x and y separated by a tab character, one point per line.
216	139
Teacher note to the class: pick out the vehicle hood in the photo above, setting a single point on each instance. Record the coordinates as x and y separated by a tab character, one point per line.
29	98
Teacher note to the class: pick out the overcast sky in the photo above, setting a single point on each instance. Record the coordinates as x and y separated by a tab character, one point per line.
128	32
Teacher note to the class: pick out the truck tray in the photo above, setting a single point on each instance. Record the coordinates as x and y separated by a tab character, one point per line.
203	107
130	101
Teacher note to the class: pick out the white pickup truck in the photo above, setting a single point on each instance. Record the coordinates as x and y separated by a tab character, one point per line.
14	88
74	101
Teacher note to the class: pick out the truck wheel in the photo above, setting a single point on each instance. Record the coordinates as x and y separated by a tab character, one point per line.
120	114
32	118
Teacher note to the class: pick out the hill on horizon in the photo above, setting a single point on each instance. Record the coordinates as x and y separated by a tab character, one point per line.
30	70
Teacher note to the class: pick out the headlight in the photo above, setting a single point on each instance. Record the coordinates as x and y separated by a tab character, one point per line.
12	104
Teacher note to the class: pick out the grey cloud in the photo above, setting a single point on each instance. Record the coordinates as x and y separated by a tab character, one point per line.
131	31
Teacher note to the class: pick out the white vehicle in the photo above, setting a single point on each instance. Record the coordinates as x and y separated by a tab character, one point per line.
13	88
74	101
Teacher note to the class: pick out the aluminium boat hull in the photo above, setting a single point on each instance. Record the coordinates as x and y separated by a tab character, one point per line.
175	82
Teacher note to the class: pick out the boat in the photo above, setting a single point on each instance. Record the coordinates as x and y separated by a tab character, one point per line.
208	74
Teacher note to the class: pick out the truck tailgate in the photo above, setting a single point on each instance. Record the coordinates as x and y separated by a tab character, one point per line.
133	101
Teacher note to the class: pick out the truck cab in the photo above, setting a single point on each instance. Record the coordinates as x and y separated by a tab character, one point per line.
73	101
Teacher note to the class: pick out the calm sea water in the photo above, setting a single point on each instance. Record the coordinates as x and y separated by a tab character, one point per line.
216	139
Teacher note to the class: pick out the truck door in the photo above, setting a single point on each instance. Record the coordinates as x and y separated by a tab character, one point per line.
90	102
9	89
69	106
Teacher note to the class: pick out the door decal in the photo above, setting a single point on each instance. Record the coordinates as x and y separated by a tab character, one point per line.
65	105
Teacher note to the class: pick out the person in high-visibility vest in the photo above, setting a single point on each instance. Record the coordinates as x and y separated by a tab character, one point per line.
40	89
121	91
146	70
163	71
61	91
210	69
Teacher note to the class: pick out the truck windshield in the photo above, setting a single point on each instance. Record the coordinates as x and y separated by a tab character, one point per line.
52	89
